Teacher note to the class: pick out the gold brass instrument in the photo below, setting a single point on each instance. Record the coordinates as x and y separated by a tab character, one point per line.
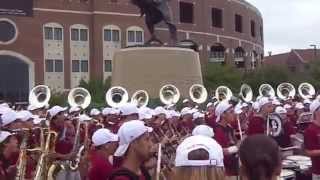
286	91
39	96
140	98
22	161
42	170
223	93
79	97
169	94
266	90
117	96
306	90
198	93
246	93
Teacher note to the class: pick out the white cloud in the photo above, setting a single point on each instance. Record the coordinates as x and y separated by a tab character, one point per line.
289	24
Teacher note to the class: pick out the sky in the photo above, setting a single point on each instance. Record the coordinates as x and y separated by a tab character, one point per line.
289	24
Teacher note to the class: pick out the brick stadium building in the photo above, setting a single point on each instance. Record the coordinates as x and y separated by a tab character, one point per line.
64	41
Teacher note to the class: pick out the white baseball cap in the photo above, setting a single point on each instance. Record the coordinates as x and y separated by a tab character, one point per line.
280	110
195	143
24	115
159	110
94	112
221	108
314	105
8	117
203	130
84	117
255	105
185	101
287	106
103	136
299	106
115	111
56	109
4	109
37	119
128	132
4	135
197	115
106	111
209	104
263	101
32	107
145	113
187	110
276	102
4	105
128	109
74	109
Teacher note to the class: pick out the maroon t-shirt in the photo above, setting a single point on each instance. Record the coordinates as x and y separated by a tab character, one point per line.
211	120
284	139
312	142
100	168
256	125
225	137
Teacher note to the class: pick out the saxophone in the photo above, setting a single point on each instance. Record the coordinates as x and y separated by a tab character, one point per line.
22	161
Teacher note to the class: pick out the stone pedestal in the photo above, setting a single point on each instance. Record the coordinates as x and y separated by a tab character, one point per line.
149	68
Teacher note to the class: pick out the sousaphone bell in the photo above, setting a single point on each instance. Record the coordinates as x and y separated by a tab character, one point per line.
39	96
198	93
117	96
79	97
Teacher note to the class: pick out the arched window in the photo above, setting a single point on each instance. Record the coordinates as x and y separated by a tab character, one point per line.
217	53
79	32
135	36
53	31
111	33
239	54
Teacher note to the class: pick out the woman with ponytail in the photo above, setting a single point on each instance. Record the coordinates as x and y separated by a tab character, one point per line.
260	158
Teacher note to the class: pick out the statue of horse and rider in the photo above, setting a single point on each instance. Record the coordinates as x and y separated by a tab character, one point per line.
156	11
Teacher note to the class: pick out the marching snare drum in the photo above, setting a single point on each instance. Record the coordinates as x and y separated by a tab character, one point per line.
287	174
303	162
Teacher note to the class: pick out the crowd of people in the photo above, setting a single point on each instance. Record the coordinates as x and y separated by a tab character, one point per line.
225	140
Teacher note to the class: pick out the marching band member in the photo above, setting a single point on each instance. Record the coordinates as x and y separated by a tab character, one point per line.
101	164
64	143
224	135
135	147
210	116
312	141
257	122
198	118
199	157
260	158
187	116
9	153
288	131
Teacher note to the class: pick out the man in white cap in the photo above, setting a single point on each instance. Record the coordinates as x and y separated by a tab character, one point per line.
9	153
64	142
135	147
225	136
288	131
311	139
187	117
257	122
105	144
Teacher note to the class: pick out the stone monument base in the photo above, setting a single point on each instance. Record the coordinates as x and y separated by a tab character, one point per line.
149	68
